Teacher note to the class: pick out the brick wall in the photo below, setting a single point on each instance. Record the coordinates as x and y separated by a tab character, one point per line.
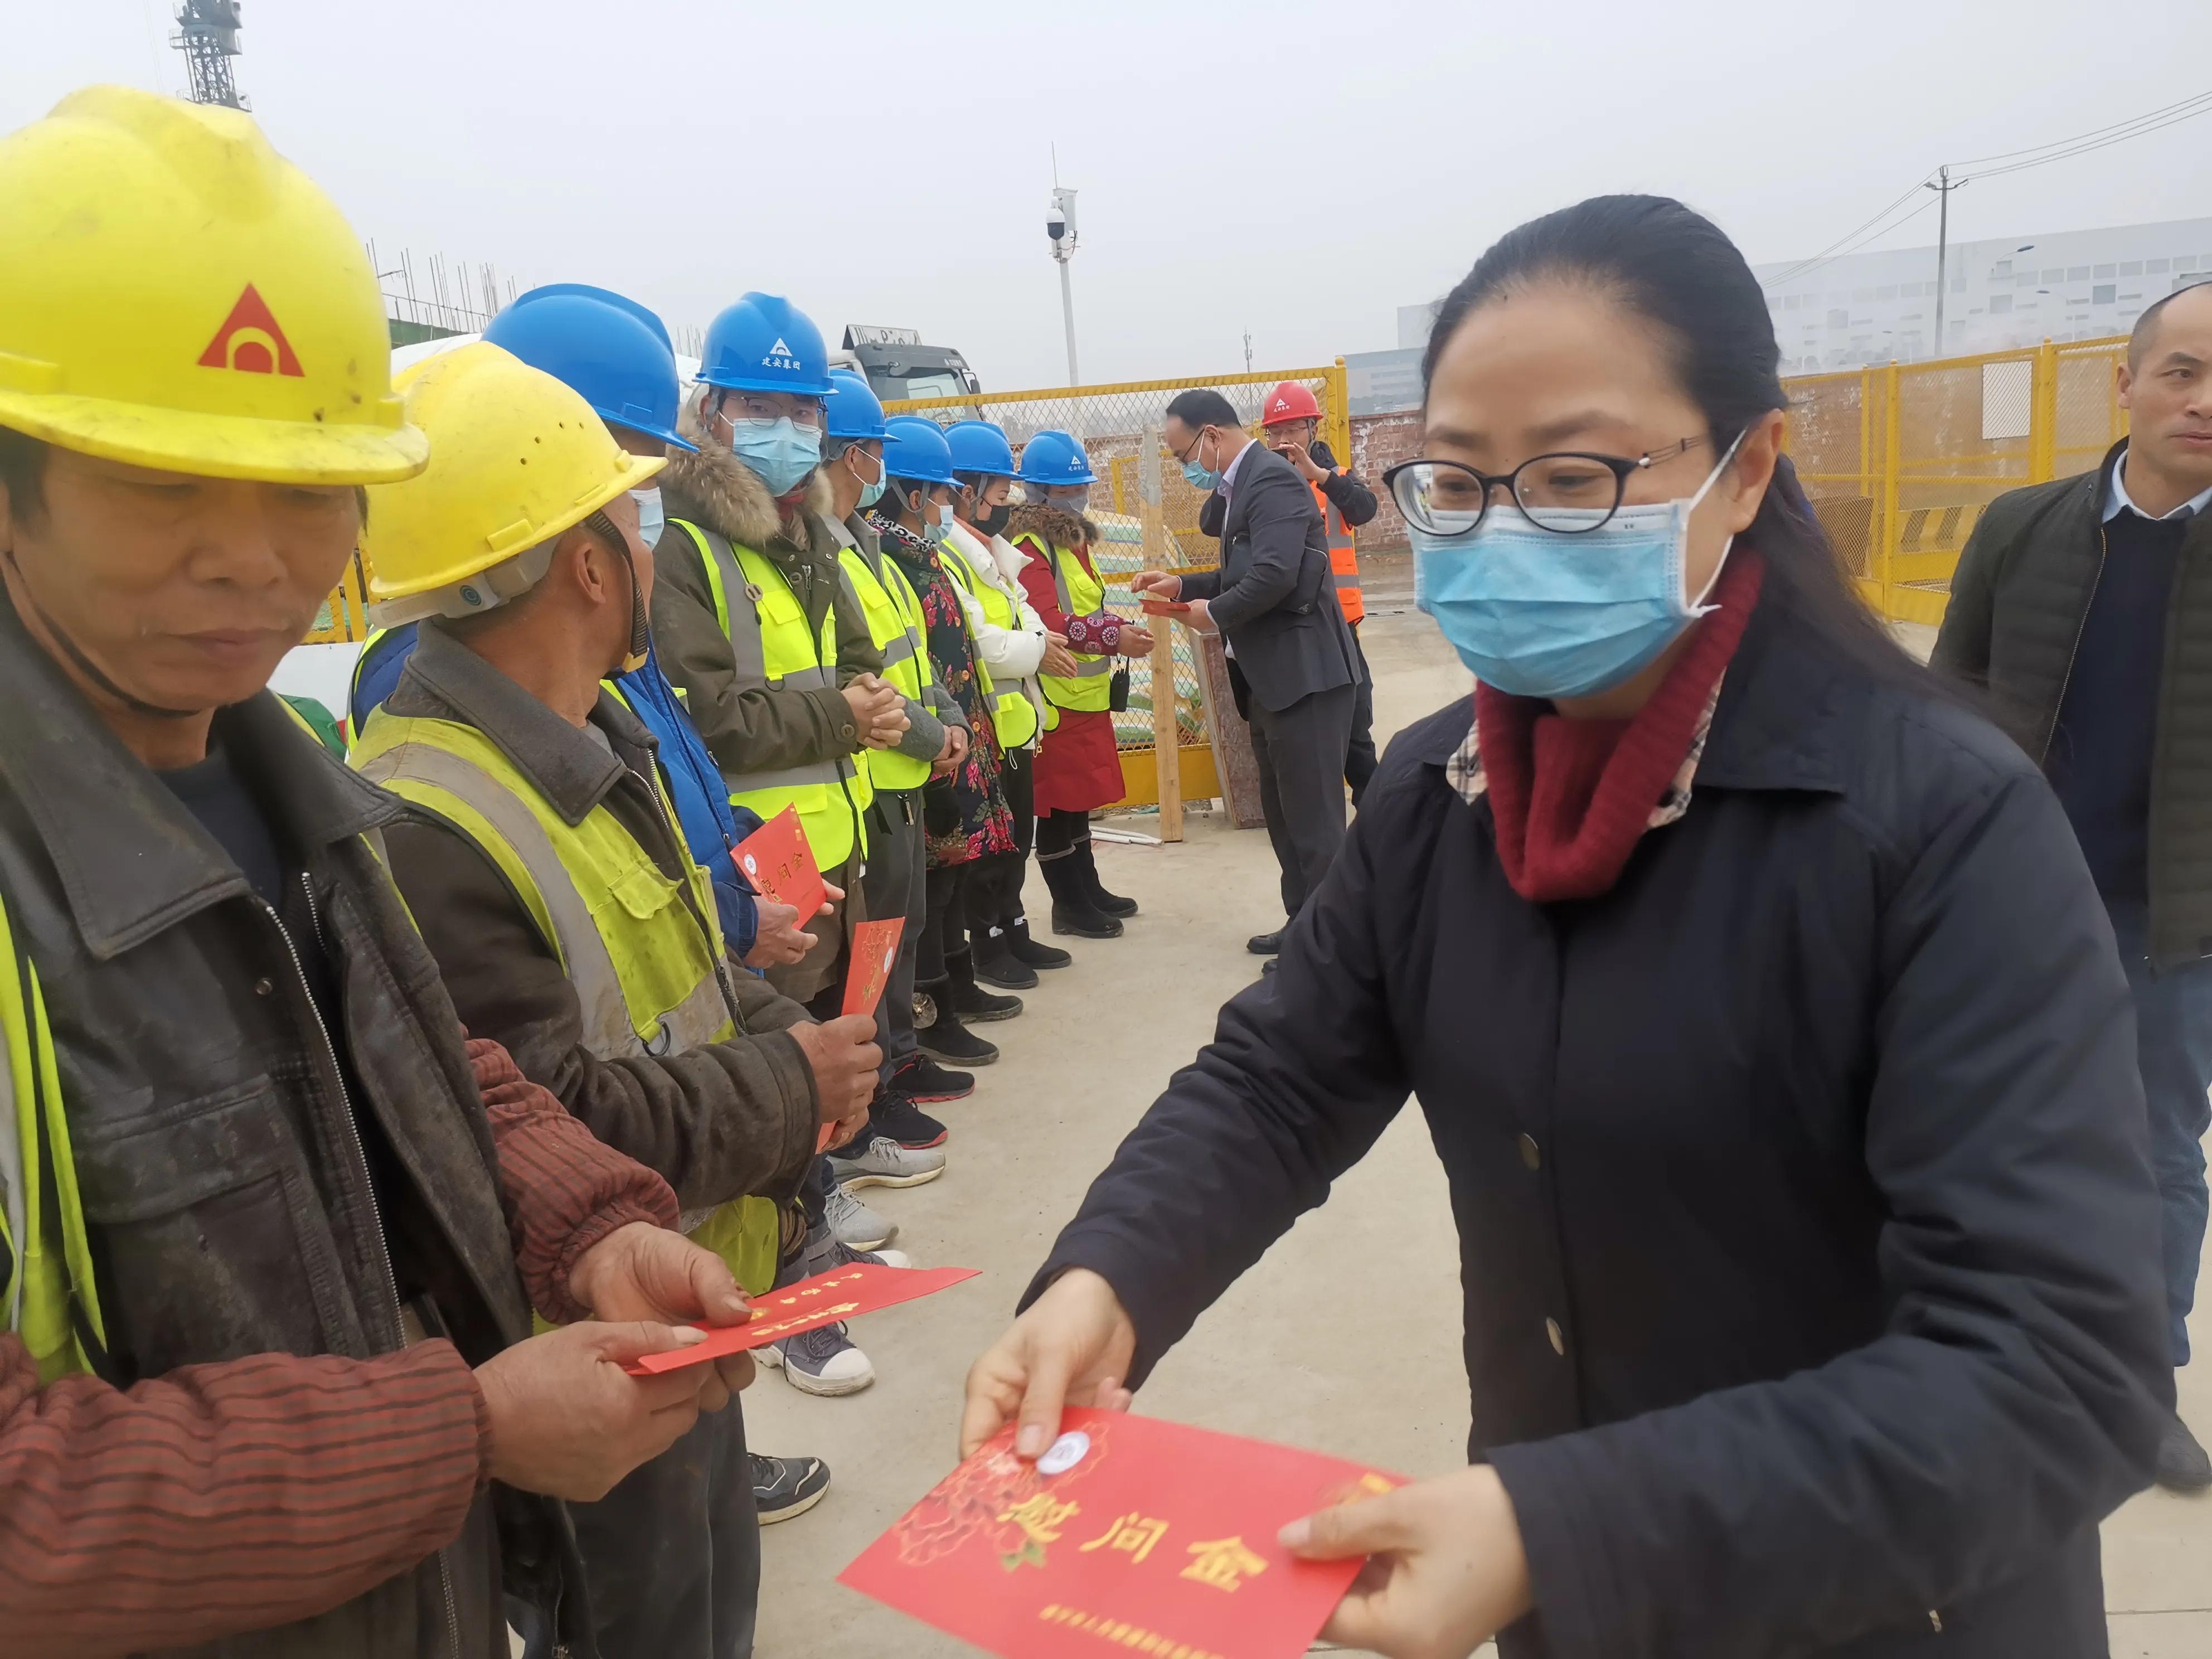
1378	443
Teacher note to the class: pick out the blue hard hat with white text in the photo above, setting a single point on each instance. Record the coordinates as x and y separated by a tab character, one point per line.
765	344
1056	457
609	349
915	448
855	413
980	446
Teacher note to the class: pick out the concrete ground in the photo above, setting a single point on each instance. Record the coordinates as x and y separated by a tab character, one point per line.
1344	1339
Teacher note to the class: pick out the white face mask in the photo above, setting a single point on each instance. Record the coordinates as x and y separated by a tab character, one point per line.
652	519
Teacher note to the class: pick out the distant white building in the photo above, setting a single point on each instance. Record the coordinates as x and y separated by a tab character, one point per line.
2003	292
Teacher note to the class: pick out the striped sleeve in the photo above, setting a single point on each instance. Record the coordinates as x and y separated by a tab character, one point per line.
221	1499
564	1188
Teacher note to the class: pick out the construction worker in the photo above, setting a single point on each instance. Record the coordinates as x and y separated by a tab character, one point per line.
1079	768
617	355
758	628
936	736
965	816
1011	645
567	915
271	1229
1289	422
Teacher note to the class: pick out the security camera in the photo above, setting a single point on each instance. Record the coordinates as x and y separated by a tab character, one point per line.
1055	226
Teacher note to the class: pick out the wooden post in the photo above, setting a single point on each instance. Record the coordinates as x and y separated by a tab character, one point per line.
1167	723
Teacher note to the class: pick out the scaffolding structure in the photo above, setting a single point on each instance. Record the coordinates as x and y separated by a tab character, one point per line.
207	34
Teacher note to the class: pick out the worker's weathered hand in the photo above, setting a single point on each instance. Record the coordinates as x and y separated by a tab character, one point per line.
1158	583
1057	659
846	1130
845	1060
955	748
779	939
890	727
641	1271
568	1421
1445	1570
1136	641
872	701
1071	1348
1311	471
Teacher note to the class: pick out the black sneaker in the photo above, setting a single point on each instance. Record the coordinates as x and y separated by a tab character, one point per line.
922	1078
2182	1463
969	1001
785	1486
895	1116
946	1038
1030	954
997	964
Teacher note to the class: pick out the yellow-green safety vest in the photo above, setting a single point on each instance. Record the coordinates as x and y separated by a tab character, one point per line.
646	965
1013	716
893	614
770	646
1081	594
45	1252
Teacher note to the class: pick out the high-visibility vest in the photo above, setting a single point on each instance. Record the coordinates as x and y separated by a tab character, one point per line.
1013	716
1081	594
771	646
893	614
45	1255
1343	556
646	964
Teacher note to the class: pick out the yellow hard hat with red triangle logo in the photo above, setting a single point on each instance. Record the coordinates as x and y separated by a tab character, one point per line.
176	294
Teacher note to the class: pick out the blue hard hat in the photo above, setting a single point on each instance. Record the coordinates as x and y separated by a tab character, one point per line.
765	344
855	413
915	448
1056	457
980	446
610	350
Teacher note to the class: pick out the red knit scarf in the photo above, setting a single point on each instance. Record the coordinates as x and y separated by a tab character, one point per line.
1570	798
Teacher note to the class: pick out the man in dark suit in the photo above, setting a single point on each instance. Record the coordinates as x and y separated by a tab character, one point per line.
1292	664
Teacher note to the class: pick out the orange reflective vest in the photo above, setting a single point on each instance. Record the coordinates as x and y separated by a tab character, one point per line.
1343	558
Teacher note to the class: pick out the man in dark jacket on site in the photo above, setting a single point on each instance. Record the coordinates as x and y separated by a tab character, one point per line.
2085	607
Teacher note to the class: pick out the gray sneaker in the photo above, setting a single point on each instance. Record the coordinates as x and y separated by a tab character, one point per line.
854	1224
882	1162
822	1362
785	1487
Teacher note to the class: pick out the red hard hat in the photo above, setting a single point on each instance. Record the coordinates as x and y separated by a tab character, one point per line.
1290	401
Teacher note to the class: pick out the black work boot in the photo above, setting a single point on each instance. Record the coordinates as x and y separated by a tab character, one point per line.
1074	914
1029	952
997	964
1112	904
970	1001
945	1037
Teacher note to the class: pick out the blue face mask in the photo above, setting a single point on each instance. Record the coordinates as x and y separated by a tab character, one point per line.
651	518
1538	614
940	531
780	453
1200	477
872	493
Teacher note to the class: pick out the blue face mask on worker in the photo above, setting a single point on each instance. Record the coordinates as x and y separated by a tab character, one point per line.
652	519
1200	478
780	453
939	529
869	493
1535	613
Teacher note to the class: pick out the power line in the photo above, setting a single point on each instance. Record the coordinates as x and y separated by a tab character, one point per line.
1836	249
2203	108
2198	98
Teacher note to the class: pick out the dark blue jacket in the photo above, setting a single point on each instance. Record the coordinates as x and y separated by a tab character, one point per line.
1808	1238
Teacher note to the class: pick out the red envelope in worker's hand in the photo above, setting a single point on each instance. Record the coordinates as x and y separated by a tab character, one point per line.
777	860
1129	1533
846	1293
875	952
1153	607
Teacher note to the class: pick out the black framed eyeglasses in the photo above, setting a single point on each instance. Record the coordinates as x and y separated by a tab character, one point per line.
1569	494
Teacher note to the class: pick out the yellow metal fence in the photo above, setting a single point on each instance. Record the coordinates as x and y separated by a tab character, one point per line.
1901	461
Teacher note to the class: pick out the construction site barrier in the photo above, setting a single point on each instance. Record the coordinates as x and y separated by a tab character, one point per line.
1899	461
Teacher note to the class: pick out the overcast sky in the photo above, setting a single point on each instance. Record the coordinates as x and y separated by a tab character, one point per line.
1298	170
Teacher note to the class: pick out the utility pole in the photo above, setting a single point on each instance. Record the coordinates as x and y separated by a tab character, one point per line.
1060	226
1247	351
1942	187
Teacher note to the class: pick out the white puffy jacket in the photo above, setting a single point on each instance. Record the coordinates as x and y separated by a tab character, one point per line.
1010	653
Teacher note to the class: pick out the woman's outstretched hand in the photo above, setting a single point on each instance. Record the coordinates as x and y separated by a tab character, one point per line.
1071	1348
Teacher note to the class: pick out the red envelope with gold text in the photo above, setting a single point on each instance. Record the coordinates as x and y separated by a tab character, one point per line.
1129	1534
777	860
825	1299
875	953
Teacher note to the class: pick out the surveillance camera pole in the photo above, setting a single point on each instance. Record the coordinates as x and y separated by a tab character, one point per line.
1063	250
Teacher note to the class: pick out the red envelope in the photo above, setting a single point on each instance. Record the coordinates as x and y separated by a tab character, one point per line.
1130	1533
875	952
1153	607
846	1293
776	858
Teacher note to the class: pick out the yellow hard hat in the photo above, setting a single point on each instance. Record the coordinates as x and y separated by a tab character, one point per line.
516	457
176	294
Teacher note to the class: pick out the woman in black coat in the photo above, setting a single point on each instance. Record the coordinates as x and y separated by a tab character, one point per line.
1767	1023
